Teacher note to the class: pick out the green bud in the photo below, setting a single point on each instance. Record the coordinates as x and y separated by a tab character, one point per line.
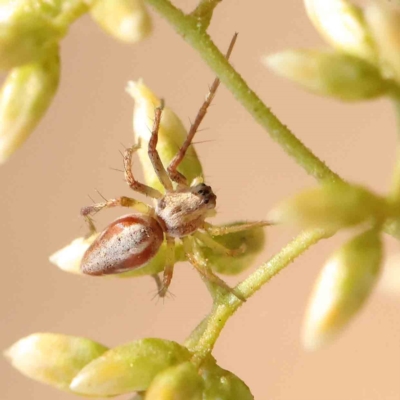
24	99
221	384
128	368
171	135
181	382
343	25
126	20
345	283
52	358
331	206
26	33
329	74
252	240
384	21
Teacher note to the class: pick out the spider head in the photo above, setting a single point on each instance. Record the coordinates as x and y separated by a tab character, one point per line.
208	199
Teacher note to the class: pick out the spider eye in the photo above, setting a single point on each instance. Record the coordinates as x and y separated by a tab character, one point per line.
206	201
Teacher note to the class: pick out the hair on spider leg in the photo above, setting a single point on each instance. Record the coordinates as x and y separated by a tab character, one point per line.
116	169
98	192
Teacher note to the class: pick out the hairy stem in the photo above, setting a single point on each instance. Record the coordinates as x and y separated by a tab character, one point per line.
188	28
203	338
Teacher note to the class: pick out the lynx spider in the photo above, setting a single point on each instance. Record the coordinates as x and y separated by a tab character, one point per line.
131	241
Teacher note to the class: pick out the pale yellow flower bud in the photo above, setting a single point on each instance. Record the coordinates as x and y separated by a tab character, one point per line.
126	20
329	74
181	382
24	99
128	368
171	135
69	257
343	25
384	21
343	286
52	358
26	33
331	206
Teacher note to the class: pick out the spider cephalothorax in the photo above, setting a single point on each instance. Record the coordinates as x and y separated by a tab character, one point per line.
179	214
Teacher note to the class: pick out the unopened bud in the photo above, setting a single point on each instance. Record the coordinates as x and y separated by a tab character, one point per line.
128	368
127	20
329	74
52	358
24	99
171	135
181	382
343	25
344	284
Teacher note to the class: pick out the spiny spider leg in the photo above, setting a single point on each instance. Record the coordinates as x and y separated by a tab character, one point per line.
132	182
153	153
224	230
123	201
175	175
206	239
169	266
200	264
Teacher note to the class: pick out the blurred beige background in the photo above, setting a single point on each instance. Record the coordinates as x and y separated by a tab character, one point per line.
72	151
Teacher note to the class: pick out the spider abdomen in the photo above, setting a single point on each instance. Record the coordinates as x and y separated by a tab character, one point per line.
127	243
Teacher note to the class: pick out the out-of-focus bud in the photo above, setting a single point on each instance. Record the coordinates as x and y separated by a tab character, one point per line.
221	384
251	241
343	25
390	281
181	382
128	368
330	206
24	99
69	257
52	358
126	20
343	286
26	33
329	74
171	135
384	21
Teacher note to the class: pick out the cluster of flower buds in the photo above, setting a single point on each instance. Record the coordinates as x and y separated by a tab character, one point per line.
365	60
30	32
350	274
172	133
158	369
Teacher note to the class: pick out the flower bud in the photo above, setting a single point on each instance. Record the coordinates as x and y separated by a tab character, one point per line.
221	384
181	382
252	241
24	99
52	358
26	33
126	20
128	368
343	25
343	286
69	257
384	21
329	74
330	206
171	135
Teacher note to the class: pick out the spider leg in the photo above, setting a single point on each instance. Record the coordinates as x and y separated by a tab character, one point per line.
168	268
153	153
88	211
200	264
224	230
132	182
175	175
205	238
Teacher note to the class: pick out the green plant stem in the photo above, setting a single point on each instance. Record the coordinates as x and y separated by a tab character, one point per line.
71	11
197	37
204	11
203	338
